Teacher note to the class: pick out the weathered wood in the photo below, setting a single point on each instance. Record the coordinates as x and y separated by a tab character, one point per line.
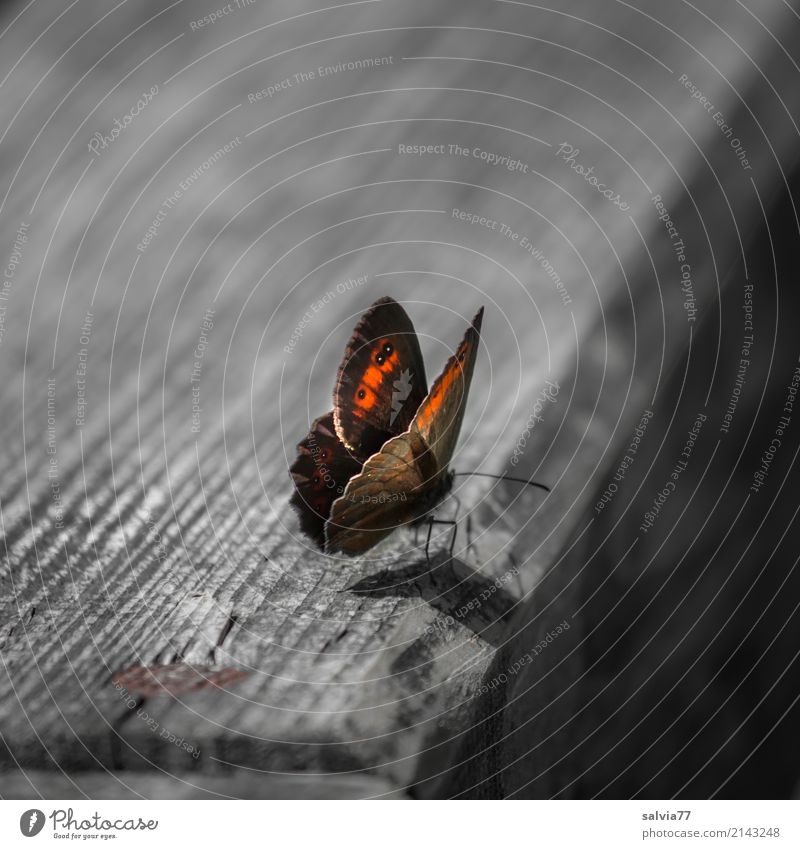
179	546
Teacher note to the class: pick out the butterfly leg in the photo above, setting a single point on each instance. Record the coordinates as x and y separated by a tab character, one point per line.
453	538
428	540
455	522
469	520
458	507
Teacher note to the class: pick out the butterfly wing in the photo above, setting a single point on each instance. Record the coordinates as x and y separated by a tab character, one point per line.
320	473
438	419
405	478
381	381
391	490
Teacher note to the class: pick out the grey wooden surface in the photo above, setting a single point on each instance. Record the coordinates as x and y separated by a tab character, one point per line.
177	545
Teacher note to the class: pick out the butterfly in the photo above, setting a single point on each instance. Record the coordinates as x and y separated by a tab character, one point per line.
380	458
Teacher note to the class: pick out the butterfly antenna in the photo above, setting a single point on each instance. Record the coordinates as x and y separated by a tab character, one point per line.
503	478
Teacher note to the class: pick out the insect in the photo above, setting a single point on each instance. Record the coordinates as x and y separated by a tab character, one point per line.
380	458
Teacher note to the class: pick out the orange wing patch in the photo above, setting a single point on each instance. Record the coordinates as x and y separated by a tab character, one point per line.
365	399
373	377
385	355
439	417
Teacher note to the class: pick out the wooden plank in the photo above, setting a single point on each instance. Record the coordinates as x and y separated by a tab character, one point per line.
194	785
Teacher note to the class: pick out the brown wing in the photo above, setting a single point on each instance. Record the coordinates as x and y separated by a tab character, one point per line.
438	420
392	489
320	473
406	477
381	381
